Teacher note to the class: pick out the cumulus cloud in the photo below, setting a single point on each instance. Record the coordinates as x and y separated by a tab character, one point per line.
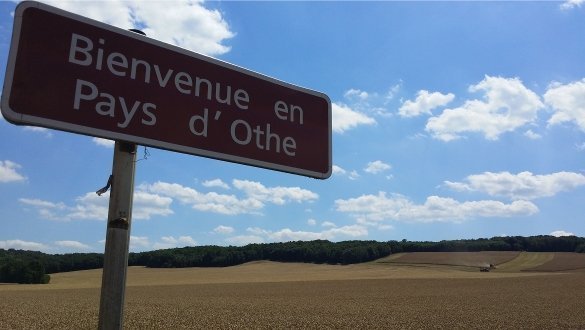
345	118
241	240
45	131
328	224
256	196
352	175
93	207
424	103
356	93
22	245
570	4
506	106
567	102
139	243
103	142
208	202
9	172
337	170
377	167
559	233
521	186
184	23
287	234
531	135
215	183
276	195
225	230
72	245
169	242
380	207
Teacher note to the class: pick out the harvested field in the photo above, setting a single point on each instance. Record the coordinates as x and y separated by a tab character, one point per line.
526	260
268	295
562	261
471	259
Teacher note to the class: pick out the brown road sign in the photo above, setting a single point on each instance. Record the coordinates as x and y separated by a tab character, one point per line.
71	73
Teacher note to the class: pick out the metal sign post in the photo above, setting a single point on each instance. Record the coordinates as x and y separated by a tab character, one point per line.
87	77
117	237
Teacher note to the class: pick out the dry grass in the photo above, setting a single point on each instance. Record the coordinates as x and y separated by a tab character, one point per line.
268	295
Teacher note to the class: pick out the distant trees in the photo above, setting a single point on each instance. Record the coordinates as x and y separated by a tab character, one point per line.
17	266
542	243
319	251
24	272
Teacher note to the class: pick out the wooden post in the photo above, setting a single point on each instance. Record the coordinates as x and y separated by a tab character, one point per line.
117	237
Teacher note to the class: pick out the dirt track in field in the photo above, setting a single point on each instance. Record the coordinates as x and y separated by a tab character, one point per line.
267	295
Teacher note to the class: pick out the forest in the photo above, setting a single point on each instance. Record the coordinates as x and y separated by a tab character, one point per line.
19	266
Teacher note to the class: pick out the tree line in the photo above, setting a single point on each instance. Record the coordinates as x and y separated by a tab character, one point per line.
19	266
318	251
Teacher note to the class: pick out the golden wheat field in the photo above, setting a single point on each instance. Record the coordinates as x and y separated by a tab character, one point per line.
389	293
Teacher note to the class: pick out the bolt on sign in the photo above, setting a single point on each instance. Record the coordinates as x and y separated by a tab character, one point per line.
71	73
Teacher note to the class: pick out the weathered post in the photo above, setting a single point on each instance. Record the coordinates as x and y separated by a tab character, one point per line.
117	237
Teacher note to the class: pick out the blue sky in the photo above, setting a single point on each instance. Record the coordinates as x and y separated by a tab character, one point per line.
451	120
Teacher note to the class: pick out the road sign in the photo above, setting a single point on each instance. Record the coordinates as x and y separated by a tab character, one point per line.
71	73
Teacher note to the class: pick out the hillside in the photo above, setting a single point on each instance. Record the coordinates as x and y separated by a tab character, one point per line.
18	266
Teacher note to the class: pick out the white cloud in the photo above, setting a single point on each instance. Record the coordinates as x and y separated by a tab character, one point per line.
147	205
377	167
41	130
103	142
72	245
352	175
276	195
168	242
392	91
567	102
184	23
9	172
371	208
559	233
139	243
208	202
424	103
531	135
507	106
344	118
244	240
385	227
570	4
312	222
22	245
256	197
338	170
328	224
46	209
287	234
356	93
225	230
216	183
93	207
524	185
